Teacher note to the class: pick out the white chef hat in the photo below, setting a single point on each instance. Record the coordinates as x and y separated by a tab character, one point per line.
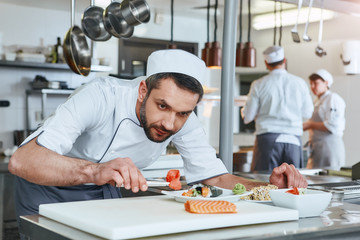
177	61
326	76
274	54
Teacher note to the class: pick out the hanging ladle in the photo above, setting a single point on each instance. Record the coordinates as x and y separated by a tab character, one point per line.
319	51
305	36
294	31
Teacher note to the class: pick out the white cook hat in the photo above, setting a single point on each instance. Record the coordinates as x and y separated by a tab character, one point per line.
274	54
177	61
326	76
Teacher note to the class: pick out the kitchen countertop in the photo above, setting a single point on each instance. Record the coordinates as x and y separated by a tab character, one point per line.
338	221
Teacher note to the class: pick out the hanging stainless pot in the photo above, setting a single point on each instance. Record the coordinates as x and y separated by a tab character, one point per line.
135	12
115	23
92	23
76	49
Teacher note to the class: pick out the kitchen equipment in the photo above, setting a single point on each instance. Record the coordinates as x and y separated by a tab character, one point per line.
155	215
248	54
239	45
294	31
135	12
155	184
40	82
115	23
319	51
305	36
76	49
92	23
310	204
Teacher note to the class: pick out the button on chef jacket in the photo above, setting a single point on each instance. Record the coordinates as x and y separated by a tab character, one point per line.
99	123
278	102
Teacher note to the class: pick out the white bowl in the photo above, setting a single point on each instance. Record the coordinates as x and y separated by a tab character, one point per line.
310	204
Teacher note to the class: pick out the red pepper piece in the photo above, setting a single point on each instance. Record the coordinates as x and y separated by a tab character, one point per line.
173	174
294	191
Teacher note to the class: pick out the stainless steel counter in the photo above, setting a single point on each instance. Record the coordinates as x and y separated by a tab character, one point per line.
339	221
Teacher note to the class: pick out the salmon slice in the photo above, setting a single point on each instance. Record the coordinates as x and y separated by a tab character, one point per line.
205	207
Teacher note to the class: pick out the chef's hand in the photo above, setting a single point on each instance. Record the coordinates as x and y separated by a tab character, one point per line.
287	176
120	171
306	125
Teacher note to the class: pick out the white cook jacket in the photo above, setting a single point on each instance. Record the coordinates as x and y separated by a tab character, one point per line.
332	113
99	123
278	102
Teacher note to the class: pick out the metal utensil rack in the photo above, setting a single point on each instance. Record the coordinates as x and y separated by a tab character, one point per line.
44	95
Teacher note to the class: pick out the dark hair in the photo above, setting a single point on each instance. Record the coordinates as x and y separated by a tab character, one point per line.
315	76
183	81
276	63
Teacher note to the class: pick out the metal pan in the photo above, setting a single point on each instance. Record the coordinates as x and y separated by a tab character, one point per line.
135	12
115	23
92	23
76	49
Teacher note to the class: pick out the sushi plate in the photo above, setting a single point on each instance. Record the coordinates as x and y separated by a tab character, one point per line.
227	195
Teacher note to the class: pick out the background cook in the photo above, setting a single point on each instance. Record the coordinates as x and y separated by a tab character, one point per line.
326	125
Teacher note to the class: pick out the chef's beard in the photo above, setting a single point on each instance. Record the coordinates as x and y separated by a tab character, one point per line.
146	127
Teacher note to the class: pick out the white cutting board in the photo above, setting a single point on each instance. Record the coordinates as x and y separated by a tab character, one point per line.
155	215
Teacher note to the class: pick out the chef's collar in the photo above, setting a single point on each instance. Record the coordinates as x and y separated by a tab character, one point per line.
325	94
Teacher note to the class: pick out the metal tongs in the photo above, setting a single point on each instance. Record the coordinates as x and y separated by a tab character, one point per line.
155	184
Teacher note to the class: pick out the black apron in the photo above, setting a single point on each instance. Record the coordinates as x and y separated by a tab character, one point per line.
28	196
269	154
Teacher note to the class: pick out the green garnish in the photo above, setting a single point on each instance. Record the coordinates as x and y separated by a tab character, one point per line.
239	189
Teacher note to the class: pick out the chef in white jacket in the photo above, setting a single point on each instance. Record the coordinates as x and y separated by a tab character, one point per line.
109	129
278	102
326	125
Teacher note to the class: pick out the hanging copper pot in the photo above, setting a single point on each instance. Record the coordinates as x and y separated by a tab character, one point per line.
248	53
205	53
239	45
215	54
239	49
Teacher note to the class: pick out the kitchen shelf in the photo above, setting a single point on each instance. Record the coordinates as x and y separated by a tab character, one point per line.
44	94
56	66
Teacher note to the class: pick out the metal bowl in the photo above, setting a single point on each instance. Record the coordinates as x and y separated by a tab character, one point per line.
93	25
135	12
115	23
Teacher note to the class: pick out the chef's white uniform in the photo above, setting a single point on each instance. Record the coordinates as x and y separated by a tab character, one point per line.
327	149
99	123
278	102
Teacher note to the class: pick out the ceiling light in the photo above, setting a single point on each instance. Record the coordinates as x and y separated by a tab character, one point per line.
266	21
